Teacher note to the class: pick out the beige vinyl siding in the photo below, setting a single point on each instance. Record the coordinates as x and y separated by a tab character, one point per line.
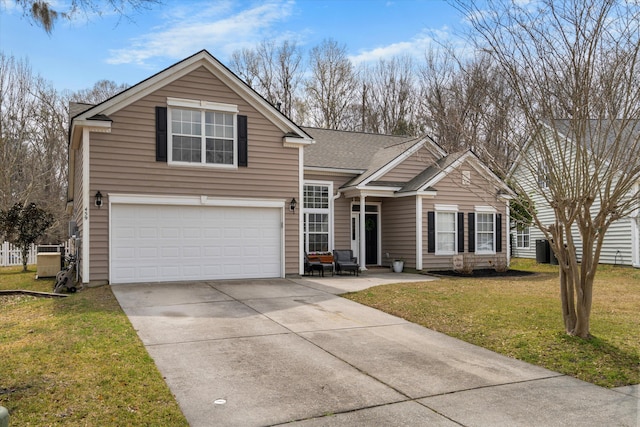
341	209
399	230
342	223
410	167
124	162
451	191
77	196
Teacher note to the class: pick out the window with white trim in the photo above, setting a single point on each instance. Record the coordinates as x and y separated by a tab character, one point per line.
202	133
485	233
446	232
543	175
316	210
523	236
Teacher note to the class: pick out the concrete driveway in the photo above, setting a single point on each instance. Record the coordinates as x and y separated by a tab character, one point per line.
270	352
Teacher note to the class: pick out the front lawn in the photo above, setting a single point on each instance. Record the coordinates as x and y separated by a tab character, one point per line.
75	361
520	317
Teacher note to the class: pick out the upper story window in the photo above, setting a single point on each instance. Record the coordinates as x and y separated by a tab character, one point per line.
543	175
202	133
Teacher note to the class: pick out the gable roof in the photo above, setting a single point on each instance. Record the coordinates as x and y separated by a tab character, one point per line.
440	169
293	133
370	156
337	149
76	108
617	131
432	173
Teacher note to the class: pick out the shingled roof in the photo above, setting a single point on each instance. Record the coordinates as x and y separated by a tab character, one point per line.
432	171
76	108
348	150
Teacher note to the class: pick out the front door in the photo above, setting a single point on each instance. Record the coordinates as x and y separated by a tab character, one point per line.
371	233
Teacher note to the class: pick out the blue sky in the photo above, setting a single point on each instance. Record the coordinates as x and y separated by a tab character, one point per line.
127	50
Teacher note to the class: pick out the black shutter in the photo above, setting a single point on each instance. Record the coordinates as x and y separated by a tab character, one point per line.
243	144
472	231
460	232
161	134
498	232
431	231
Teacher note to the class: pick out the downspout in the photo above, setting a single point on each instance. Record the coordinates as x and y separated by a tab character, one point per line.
418	232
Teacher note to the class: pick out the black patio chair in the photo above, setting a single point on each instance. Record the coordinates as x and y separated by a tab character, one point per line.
345	261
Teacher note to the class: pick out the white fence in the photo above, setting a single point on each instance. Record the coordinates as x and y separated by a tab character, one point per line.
12	255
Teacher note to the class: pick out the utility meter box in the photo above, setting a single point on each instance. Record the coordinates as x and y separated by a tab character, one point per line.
48	264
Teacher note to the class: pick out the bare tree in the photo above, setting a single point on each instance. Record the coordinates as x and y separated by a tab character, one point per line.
34	121
573	68
17	127
332	86
49	157
468	105
33	134
274	71
101	91
45	13
388	97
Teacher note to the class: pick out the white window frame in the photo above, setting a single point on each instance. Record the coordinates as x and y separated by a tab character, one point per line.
543	175
452	210
203	107
323	211
521	232
485	210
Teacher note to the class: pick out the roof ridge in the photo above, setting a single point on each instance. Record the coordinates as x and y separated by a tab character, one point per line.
359	132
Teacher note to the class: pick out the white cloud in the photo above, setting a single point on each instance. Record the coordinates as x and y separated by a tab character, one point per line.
220	28
416	47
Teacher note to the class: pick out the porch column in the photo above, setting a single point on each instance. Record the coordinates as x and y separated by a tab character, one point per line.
363	238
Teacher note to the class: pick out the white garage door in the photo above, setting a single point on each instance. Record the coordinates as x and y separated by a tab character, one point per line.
151	243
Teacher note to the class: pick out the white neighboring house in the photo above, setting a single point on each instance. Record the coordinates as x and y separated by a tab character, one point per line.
621	245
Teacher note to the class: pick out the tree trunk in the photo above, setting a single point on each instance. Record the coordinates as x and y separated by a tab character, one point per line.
25	255
566	297
576	283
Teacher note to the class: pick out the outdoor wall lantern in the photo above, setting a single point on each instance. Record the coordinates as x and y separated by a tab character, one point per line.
98	199
293	204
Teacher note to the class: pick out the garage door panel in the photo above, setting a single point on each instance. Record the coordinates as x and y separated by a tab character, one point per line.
168	243
169	232
169	252
149	253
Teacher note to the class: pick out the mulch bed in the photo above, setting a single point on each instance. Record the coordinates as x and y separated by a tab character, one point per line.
488	272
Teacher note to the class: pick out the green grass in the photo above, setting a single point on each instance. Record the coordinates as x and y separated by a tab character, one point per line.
76	361
520	317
